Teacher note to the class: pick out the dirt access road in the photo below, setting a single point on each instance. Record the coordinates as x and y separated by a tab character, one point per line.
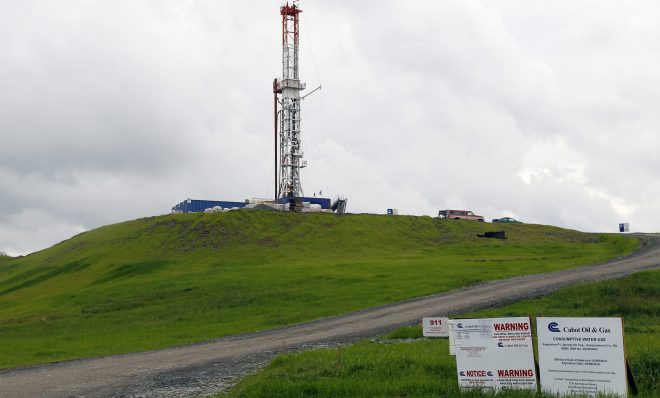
209	367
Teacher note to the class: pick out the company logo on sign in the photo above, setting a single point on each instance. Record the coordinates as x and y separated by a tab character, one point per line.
553	327
500	344
460	326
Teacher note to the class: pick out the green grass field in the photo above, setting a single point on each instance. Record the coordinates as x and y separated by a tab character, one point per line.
176	279
404	364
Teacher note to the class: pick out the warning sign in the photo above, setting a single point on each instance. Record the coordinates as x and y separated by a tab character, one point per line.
494	353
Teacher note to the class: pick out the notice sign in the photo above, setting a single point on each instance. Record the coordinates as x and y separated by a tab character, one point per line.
435	327
494	353
582	356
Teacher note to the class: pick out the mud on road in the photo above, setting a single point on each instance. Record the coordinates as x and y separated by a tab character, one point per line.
205	368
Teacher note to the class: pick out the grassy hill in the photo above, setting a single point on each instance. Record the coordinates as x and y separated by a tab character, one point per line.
175	279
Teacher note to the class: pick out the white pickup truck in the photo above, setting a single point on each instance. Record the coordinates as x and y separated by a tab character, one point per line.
460	215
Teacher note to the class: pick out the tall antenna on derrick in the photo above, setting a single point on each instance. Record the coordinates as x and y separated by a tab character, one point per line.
289	86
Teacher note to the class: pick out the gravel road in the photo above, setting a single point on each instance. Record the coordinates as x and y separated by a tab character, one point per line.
201	369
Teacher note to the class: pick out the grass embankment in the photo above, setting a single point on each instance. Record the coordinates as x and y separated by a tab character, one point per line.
419	367
176	279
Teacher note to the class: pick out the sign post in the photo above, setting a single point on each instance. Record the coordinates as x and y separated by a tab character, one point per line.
582	356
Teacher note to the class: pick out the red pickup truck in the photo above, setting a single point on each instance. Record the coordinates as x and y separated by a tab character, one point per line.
460	215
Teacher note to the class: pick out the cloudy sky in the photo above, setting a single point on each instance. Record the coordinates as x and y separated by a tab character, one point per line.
547	111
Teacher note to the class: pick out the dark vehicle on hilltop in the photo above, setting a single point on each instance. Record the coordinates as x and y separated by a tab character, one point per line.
508	220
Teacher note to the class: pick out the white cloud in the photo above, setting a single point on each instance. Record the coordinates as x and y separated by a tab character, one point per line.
115	110
28	229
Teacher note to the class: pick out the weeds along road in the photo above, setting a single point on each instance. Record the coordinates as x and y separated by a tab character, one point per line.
211	366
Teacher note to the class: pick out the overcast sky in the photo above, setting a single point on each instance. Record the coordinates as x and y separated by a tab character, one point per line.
547	111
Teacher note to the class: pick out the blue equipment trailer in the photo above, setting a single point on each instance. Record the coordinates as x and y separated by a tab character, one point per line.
198	206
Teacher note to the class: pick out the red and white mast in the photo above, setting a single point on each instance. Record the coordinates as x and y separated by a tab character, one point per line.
288	87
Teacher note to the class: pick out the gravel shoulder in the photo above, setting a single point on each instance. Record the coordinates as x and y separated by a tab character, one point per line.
205	368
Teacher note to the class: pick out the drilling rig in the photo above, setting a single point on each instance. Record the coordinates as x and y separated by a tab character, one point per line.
287	98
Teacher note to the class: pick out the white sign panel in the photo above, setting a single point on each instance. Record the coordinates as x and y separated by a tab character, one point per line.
452	350
494	353
582	356
435	327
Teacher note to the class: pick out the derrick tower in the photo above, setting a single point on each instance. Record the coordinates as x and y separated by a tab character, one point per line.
287	108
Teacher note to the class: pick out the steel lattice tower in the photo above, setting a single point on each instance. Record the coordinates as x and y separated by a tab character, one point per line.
288	114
